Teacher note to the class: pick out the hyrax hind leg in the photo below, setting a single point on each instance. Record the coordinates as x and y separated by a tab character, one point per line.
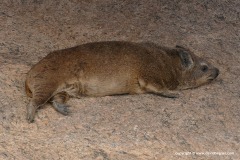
41	94
37	101
58	101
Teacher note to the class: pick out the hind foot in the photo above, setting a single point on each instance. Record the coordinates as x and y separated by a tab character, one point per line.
61	108
31	109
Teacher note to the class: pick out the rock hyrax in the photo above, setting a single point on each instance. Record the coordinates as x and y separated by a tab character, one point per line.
110	68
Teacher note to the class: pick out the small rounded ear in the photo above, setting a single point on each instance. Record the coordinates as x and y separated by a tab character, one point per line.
186	59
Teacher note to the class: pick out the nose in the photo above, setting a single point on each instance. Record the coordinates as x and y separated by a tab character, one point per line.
217	72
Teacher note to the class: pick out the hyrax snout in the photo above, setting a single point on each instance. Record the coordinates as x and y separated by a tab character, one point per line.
110	68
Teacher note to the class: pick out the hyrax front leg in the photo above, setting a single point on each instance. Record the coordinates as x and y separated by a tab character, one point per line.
164	93
58	101
155	88
168	94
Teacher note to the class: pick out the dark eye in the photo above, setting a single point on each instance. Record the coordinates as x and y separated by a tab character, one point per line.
204	68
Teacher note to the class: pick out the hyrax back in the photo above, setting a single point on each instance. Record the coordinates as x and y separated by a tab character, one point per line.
110	68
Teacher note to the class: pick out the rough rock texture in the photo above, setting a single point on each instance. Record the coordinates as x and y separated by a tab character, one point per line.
203	120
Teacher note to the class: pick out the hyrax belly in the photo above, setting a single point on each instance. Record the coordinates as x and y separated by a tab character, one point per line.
110	68
103	87
102	84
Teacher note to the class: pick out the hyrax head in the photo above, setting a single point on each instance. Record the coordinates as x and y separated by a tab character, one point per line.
195	70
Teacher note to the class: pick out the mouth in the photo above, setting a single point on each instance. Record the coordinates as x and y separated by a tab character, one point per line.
213	76
210	79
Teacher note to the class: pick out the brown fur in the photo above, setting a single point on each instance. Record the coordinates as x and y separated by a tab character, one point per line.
110	68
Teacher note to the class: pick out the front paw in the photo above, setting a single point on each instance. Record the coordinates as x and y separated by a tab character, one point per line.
170	94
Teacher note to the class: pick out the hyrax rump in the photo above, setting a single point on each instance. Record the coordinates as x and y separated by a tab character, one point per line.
110	68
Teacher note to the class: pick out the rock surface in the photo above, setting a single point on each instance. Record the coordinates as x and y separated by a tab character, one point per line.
204	120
